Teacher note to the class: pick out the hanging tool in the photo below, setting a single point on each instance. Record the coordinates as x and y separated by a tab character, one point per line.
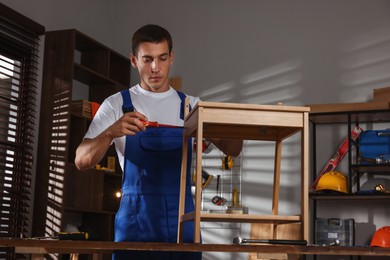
218	200
240	241
235	196
227	163
206	146
206	178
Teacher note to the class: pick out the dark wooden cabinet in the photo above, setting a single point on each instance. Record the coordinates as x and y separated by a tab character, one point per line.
75	63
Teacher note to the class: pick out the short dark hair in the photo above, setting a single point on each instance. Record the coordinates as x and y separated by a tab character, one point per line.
150	33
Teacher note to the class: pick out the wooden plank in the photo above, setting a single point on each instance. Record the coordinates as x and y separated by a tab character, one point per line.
176	82
305	178
250	132
276	186
276	256
382	94
100	247
253	117
198	189
267	231
356	117
348	107
236	106
243	218
249	218
183	180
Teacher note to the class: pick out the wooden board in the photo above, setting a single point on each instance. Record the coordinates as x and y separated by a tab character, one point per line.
106	247
226	105
347	107
382	94
176	83
266	231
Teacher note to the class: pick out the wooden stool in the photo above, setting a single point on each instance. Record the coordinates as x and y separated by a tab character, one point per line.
246	122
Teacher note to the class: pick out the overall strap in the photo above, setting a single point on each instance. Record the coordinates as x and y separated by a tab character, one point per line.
183	98
127	104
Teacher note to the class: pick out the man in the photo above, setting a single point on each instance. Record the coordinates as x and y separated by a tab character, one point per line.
150	156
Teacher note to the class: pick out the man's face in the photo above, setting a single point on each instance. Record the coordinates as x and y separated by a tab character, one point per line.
153	62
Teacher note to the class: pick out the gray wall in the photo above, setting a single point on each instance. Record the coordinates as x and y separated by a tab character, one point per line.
255	51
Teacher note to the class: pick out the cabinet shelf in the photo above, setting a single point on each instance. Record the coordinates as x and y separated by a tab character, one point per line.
371	168
80	116
363	116
383	196
83	210
89	77
243	218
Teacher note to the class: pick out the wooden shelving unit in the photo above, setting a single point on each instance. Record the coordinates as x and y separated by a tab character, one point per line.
247	122
75	63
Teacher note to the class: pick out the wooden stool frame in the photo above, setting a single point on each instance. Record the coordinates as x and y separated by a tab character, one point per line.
246	122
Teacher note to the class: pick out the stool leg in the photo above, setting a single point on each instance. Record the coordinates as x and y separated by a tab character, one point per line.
74	256
183	180
276	189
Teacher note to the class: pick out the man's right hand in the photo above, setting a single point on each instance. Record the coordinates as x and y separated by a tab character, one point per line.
91	151
129	124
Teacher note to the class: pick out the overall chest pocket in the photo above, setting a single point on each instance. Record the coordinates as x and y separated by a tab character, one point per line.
162	141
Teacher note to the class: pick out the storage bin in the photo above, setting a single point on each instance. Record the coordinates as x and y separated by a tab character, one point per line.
374	144
328	230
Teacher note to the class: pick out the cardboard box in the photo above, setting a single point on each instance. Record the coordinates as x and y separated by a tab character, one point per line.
82	107
382	94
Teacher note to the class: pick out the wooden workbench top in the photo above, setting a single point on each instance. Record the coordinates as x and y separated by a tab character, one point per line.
35	246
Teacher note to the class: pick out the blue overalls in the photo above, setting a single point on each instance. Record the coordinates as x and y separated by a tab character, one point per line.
148	210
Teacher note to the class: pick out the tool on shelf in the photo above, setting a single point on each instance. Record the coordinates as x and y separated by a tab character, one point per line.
71	235
218	200
235	196
336	242
240	241
206	178
206	146
338	155
236	208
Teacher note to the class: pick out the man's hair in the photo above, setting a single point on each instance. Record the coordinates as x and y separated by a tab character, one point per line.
151	33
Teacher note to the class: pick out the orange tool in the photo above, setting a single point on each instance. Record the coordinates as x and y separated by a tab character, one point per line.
338	156
156	124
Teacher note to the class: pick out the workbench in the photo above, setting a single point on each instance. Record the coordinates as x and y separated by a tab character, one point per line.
245	122
38	248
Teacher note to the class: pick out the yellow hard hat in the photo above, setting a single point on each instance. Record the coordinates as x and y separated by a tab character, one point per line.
333	181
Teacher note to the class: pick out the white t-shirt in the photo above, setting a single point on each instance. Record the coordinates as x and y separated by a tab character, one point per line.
163	108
